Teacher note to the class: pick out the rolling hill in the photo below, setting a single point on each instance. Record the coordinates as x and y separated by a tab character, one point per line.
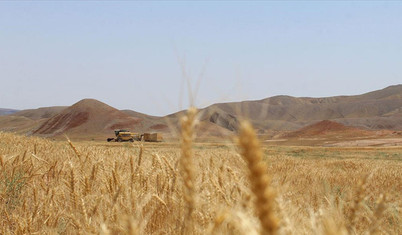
87	117
380	109
17	124
377	110
40	113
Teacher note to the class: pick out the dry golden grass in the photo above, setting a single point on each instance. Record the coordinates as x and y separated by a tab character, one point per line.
51	187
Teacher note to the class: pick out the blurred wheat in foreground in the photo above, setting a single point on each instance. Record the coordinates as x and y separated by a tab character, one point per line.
197	188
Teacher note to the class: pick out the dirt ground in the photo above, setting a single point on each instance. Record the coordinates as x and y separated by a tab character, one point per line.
337	141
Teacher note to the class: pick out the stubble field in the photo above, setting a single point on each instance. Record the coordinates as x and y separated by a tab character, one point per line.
53	187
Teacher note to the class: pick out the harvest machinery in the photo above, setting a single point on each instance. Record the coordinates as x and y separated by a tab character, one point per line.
125	135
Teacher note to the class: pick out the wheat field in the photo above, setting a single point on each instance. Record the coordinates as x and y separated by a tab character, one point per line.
239	187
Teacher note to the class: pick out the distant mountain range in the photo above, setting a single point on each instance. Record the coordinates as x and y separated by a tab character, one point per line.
88	118
7	111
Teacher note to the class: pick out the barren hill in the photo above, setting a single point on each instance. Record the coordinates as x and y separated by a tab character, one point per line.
375	110
40	113
380	109
17	124
87	117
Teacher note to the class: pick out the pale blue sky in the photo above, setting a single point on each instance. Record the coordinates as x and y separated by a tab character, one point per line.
130	55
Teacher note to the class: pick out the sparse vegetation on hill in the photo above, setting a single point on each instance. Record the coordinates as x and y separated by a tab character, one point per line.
40	113
374	110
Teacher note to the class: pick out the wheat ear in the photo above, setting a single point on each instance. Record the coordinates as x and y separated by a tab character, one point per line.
186	161
259	179
74	148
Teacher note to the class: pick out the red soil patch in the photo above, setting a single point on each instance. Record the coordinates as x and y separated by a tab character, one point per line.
158	127
326	127
63	122
124	124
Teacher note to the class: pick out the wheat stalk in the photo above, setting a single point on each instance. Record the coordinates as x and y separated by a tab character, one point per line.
186	160
358	200
260	181
379	210
74	148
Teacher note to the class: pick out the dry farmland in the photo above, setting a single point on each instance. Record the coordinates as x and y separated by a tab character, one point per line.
53	187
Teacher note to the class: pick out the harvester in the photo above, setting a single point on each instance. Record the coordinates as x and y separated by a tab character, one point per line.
125	135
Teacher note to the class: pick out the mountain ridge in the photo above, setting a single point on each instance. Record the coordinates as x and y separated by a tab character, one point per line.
305	110
375	110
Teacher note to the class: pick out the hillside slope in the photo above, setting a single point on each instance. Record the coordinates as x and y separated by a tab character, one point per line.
380	109
327	128
87	117
40	113
375	110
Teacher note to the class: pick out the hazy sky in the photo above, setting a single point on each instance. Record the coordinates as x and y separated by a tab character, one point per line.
131	55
